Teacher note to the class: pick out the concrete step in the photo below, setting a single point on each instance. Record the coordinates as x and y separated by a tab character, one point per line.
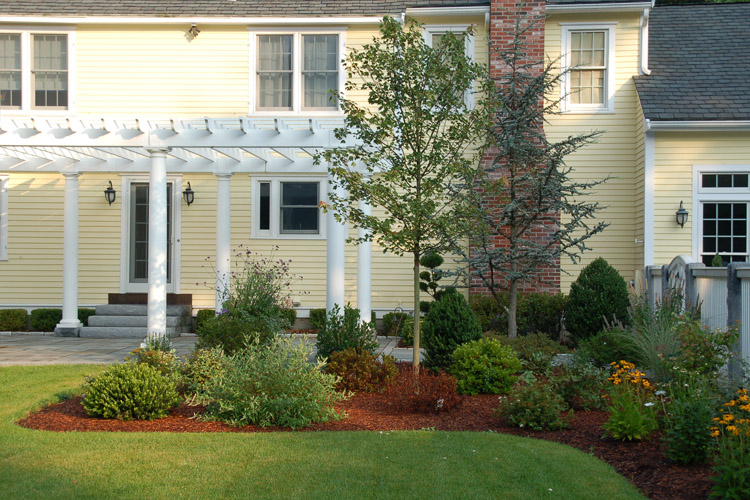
119	332
174	321
138	310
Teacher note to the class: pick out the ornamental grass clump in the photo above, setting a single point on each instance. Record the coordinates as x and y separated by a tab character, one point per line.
130	392
271	384
731	431
484	366
632	410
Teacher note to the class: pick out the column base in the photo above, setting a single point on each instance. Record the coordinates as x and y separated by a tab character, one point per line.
67	331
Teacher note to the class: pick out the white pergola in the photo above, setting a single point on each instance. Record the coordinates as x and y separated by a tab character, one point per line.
223	147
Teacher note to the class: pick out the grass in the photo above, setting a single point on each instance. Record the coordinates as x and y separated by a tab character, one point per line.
420	464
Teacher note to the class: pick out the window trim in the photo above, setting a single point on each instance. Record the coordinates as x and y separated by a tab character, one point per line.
610	71
3	217
27	106
297	62
440	29
274	231
703	195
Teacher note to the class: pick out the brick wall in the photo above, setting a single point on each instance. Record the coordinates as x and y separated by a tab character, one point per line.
503	15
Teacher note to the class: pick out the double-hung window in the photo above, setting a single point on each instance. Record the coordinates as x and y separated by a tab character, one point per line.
35	70
723	212
287	207
588	62
433	36
3	217
297	72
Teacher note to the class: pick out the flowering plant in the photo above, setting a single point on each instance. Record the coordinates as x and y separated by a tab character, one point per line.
732	460
632	411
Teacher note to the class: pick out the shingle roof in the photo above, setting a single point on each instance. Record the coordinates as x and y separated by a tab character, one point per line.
220	8
699	56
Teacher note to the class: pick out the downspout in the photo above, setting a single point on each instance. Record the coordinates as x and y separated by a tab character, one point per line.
644	70
649	167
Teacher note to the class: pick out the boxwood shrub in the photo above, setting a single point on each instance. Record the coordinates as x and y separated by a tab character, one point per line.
13	320
45	319
484	366
449	324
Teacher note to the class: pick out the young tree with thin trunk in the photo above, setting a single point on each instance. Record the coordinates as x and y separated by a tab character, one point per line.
418	140
527	211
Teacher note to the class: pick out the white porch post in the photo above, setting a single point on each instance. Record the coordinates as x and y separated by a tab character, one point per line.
335	257
69	326
223	238
364	269
157	243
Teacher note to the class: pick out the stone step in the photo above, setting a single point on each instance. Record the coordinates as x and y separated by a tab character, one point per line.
119	332
138	310
173	321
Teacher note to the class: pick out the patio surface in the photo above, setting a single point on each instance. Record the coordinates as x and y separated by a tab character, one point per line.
49	350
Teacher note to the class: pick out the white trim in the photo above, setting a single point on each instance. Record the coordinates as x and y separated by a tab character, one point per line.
124	196
260	21
274	231
297	90
438	29
3	217
739	125
446	11
644	70
649	146
597	7
26	77
610	68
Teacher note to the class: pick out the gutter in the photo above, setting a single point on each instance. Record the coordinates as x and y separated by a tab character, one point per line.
696	125
447	11
598	7
257	21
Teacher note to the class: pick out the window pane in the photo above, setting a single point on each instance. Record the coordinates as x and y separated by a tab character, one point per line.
725	210
265	206
598	58
709	211
49	68
275	71
299	193
587	40
709	227
740	210
299	220
320	52
319	70
740	180
275	90
275	53
709	180
725	180
599	40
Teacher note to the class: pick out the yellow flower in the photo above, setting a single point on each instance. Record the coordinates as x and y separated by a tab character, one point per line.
715	432
745	407
730	403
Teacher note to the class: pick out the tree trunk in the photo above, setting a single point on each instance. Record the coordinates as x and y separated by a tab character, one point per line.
415	356
512	307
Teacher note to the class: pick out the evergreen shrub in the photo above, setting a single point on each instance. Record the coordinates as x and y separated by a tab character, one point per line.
599	296
393	323
202	366
84	313
536	313
484	366
230	333
45	319
130	391
344	331
13	320
450	323
202	316
317	318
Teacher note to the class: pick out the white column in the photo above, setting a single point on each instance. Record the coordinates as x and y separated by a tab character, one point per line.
69	326
223	238
157	243
335	258
364	269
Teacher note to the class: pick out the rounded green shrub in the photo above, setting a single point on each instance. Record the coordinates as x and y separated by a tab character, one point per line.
317	318
45	319
13	320
130	391
345	331
534	404
393	323
231	332
605	347
84	313
202	316
599	295
450	323
484	366
200	368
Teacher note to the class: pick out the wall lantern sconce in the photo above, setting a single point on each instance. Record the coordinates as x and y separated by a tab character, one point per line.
681	216
194	31
110	194
188	195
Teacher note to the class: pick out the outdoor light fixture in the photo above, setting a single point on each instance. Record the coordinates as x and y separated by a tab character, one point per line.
681	216
188	195
110	194
193	31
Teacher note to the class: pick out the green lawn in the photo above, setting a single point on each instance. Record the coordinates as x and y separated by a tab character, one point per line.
356	465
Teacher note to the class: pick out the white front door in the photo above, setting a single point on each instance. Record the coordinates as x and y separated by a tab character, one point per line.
135	236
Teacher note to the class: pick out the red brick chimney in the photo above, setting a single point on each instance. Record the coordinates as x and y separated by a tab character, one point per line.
503	16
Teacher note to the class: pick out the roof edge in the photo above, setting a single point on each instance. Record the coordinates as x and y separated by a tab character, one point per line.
598	7
697	125
197	19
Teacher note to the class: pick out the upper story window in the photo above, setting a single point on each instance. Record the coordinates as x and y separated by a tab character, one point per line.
433	36
588	58
35	70
297	72
288	208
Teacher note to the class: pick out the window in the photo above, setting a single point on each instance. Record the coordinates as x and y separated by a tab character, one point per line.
723	205
588	58
3	217
296	71
288	207
34	71
433	35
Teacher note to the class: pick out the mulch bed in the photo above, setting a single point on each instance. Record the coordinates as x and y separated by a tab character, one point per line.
643	463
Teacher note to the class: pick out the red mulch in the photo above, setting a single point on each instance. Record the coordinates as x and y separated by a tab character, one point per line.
643	463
